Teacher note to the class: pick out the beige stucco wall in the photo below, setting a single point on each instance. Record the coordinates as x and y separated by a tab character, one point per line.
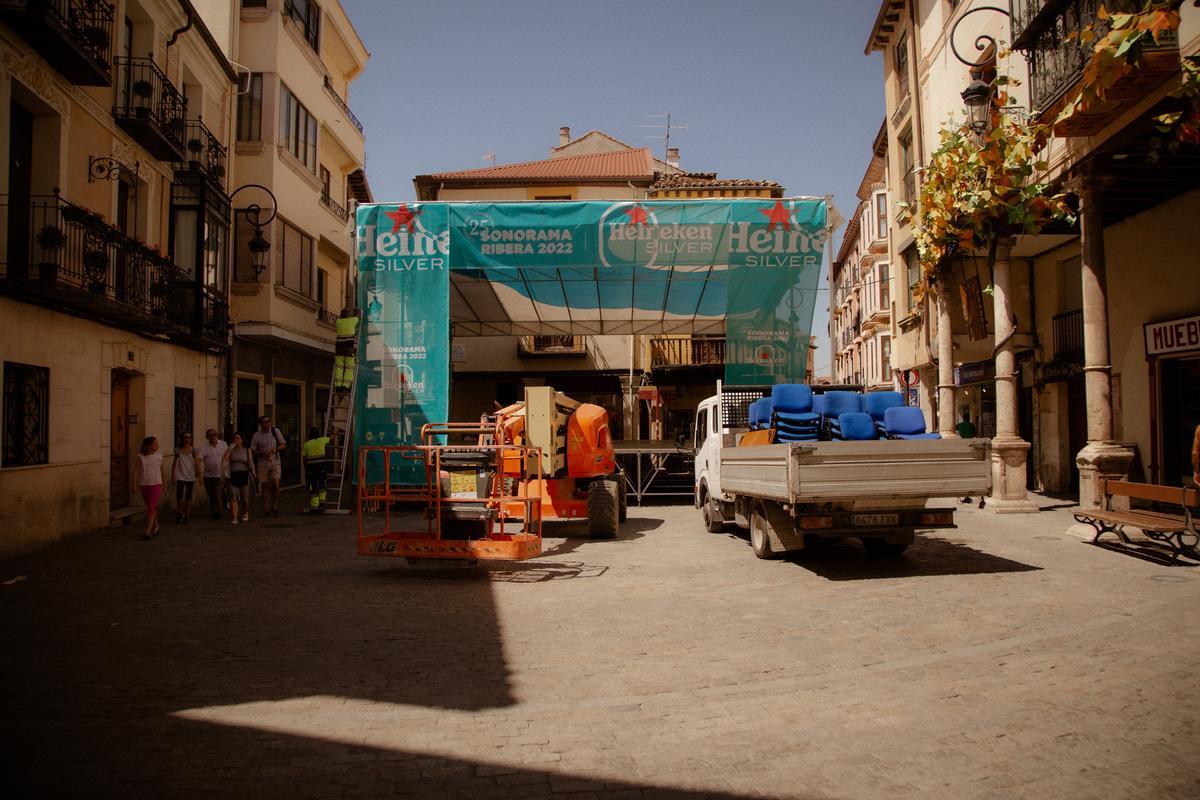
70	494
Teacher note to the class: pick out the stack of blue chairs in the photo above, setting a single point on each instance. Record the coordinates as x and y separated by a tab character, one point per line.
760	413
792	413
876	403
906	422
838	403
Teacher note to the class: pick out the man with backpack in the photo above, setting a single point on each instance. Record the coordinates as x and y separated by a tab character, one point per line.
265	445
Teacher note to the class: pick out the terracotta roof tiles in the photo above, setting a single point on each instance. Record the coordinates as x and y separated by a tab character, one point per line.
620	164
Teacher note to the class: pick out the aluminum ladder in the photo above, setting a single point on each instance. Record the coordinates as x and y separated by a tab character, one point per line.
339	427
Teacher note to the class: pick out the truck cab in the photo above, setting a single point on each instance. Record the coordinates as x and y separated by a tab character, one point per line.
707	462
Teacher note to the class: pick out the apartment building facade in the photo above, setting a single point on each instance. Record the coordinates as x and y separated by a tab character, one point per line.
1074	385
113	293
860	331
295	135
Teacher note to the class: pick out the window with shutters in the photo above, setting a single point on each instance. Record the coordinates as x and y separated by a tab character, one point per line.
294	263
297	129
249	107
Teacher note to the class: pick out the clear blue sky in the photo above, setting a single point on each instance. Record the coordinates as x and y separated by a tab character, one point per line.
775	89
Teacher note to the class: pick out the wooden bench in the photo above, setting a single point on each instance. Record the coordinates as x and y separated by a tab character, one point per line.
1177	531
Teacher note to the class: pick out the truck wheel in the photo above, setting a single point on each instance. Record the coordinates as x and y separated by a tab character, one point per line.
604	509
622	499
882	547
760	538
713	521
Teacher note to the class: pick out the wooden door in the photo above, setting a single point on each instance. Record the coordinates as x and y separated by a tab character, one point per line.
20	182
118	452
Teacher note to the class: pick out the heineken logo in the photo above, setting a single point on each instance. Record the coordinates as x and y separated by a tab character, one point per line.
407	245
631	234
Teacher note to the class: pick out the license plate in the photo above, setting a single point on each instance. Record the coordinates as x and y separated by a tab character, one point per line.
874	520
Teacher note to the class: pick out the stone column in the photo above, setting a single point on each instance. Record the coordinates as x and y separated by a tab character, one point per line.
1009	450
945	353
1102	457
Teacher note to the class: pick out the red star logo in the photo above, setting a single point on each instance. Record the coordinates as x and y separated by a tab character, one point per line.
778	215
403	216
637	216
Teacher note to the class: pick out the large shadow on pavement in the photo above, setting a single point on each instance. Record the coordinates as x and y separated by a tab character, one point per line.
142	758
215	615
845	560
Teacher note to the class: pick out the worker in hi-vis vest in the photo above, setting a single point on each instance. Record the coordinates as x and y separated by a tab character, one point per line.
316	467
347	346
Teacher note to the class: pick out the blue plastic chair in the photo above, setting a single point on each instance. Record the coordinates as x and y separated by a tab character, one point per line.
752	414
906	422
875	403
838	403
857	426
818	406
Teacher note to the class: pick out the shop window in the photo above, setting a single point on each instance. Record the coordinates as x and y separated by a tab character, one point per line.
26	415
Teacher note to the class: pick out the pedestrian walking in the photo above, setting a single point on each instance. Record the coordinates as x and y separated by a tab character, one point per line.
183	476
265	444
148	475
316	467
239	466
212	455
966	428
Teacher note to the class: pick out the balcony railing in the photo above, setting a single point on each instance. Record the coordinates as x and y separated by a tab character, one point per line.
150	109
326	317
334	208
1068	335
205	153
1049	31
551	346
340	103
75	36
64	256
687	352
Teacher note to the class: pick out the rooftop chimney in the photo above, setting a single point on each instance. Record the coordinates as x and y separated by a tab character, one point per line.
564	135
673	156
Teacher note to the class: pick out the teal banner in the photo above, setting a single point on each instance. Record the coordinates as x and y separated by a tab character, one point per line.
748	267
404	338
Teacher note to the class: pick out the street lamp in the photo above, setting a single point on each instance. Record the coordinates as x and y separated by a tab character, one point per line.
977	97
259	246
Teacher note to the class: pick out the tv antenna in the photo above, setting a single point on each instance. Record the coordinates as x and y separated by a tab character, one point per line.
666	129
490	157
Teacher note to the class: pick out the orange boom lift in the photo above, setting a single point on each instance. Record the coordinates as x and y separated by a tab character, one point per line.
485	496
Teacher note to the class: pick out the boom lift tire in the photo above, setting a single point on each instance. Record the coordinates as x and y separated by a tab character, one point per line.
713	521
760	539
604	509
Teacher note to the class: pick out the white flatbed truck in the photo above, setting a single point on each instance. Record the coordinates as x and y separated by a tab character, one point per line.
794	495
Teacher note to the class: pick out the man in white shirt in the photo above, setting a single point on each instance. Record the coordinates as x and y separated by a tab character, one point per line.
210	455
265	445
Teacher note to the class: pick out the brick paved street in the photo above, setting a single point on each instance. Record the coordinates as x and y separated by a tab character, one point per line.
1004	659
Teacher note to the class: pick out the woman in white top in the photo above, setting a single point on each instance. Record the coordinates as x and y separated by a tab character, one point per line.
148	474
183	475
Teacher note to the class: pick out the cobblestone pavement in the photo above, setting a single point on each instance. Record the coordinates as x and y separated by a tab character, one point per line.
1007	658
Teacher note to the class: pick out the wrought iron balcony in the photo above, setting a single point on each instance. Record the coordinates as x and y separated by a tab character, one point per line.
692	351
150	109
1049	32
75	36
340	103
1068	335
551	346
335	209
205	153
68	258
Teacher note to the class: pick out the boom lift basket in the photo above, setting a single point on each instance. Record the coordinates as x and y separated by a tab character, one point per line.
468	499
